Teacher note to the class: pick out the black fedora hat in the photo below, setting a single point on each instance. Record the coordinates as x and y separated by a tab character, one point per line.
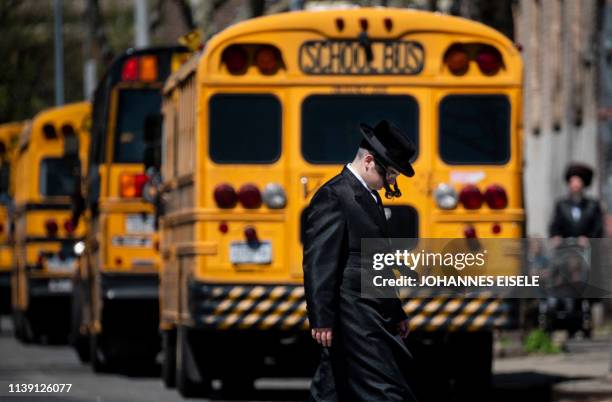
389	145
580	170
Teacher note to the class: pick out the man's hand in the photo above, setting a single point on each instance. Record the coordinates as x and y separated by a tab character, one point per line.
583	241
323	336
403	328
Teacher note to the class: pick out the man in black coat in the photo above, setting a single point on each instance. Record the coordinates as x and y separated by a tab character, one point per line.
364	357
577	215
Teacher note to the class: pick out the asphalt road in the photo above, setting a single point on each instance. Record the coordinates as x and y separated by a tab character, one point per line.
58	364
527	378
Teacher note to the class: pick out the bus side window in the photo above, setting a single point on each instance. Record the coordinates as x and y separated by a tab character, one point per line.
152	140
5	175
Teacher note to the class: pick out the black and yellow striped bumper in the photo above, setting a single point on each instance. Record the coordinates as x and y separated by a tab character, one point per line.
248	307
283	307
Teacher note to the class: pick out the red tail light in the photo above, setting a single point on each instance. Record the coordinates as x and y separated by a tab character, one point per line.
251	235
496	197
457	60
267	60
51	227
364	24
40	260
469	232
388	24
225	196
223	227
49	131
69	226
489	60
236	59
249	196
130	69
130	185
496	228
339	24
470	197
67	130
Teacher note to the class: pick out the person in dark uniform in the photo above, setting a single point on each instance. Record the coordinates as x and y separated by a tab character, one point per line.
577	215
364	357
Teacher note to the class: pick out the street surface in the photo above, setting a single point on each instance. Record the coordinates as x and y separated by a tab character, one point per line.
516	378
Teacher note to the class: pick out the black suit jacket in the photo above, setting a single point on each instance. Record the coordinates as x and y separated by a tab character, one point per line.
341	213
590	223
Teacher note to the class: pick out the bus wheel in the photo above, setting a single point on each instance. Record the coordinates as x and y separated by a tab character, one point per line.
98	364
189	380
81	346
473	354
238	385
168	370
77	340
28	335
17	329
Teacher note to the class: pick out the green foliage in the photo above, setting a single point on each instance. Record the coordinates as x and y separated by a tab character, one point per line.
539	341
27	58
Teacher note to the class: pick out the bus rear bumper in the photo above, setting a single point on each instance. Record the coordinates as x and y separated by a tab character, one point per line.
130	286
283	307
52	287
129	311
247	307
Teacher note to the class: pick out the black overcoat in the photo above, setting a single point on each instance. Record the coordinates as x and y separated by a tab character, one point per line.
368	361
590	223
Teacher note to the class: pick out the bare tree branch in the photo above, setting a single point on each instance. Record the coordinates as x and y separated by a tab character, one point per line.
187	13
96	29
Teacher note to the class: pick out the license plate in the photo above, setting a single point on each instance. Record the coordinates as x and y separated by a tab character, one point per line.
131	241
56	264
60	286
243	253
139	223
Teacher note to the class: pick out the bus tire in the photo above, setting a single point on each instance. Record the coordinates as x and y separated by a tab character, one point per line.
28	335
239	385
17	331
77	340
473	371
189	379
168	369
98	363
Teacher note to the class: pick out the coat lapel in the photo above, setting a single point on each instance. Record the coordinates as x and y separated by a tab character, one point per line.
365	200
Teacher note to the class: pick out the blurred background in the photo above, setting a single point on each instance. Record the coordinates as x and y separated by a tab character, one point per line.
567	117
566	45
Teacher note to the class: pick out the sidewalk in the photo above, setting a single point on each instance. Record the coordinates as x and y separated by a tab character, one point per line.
542	378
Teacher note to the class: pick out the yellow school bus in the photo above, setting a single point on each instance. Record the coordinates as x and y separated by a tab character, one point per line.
116	303
266	115
9	136
52	147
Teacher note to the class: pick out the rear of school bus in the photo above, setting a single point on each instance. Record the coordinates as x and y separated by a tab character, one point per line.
9	136
117	283
279	102
51	150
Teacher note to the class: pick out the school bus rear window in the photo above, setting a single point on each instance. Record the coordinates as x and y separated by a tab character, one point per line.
135	105
244	128
475	129
57	176
330	123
